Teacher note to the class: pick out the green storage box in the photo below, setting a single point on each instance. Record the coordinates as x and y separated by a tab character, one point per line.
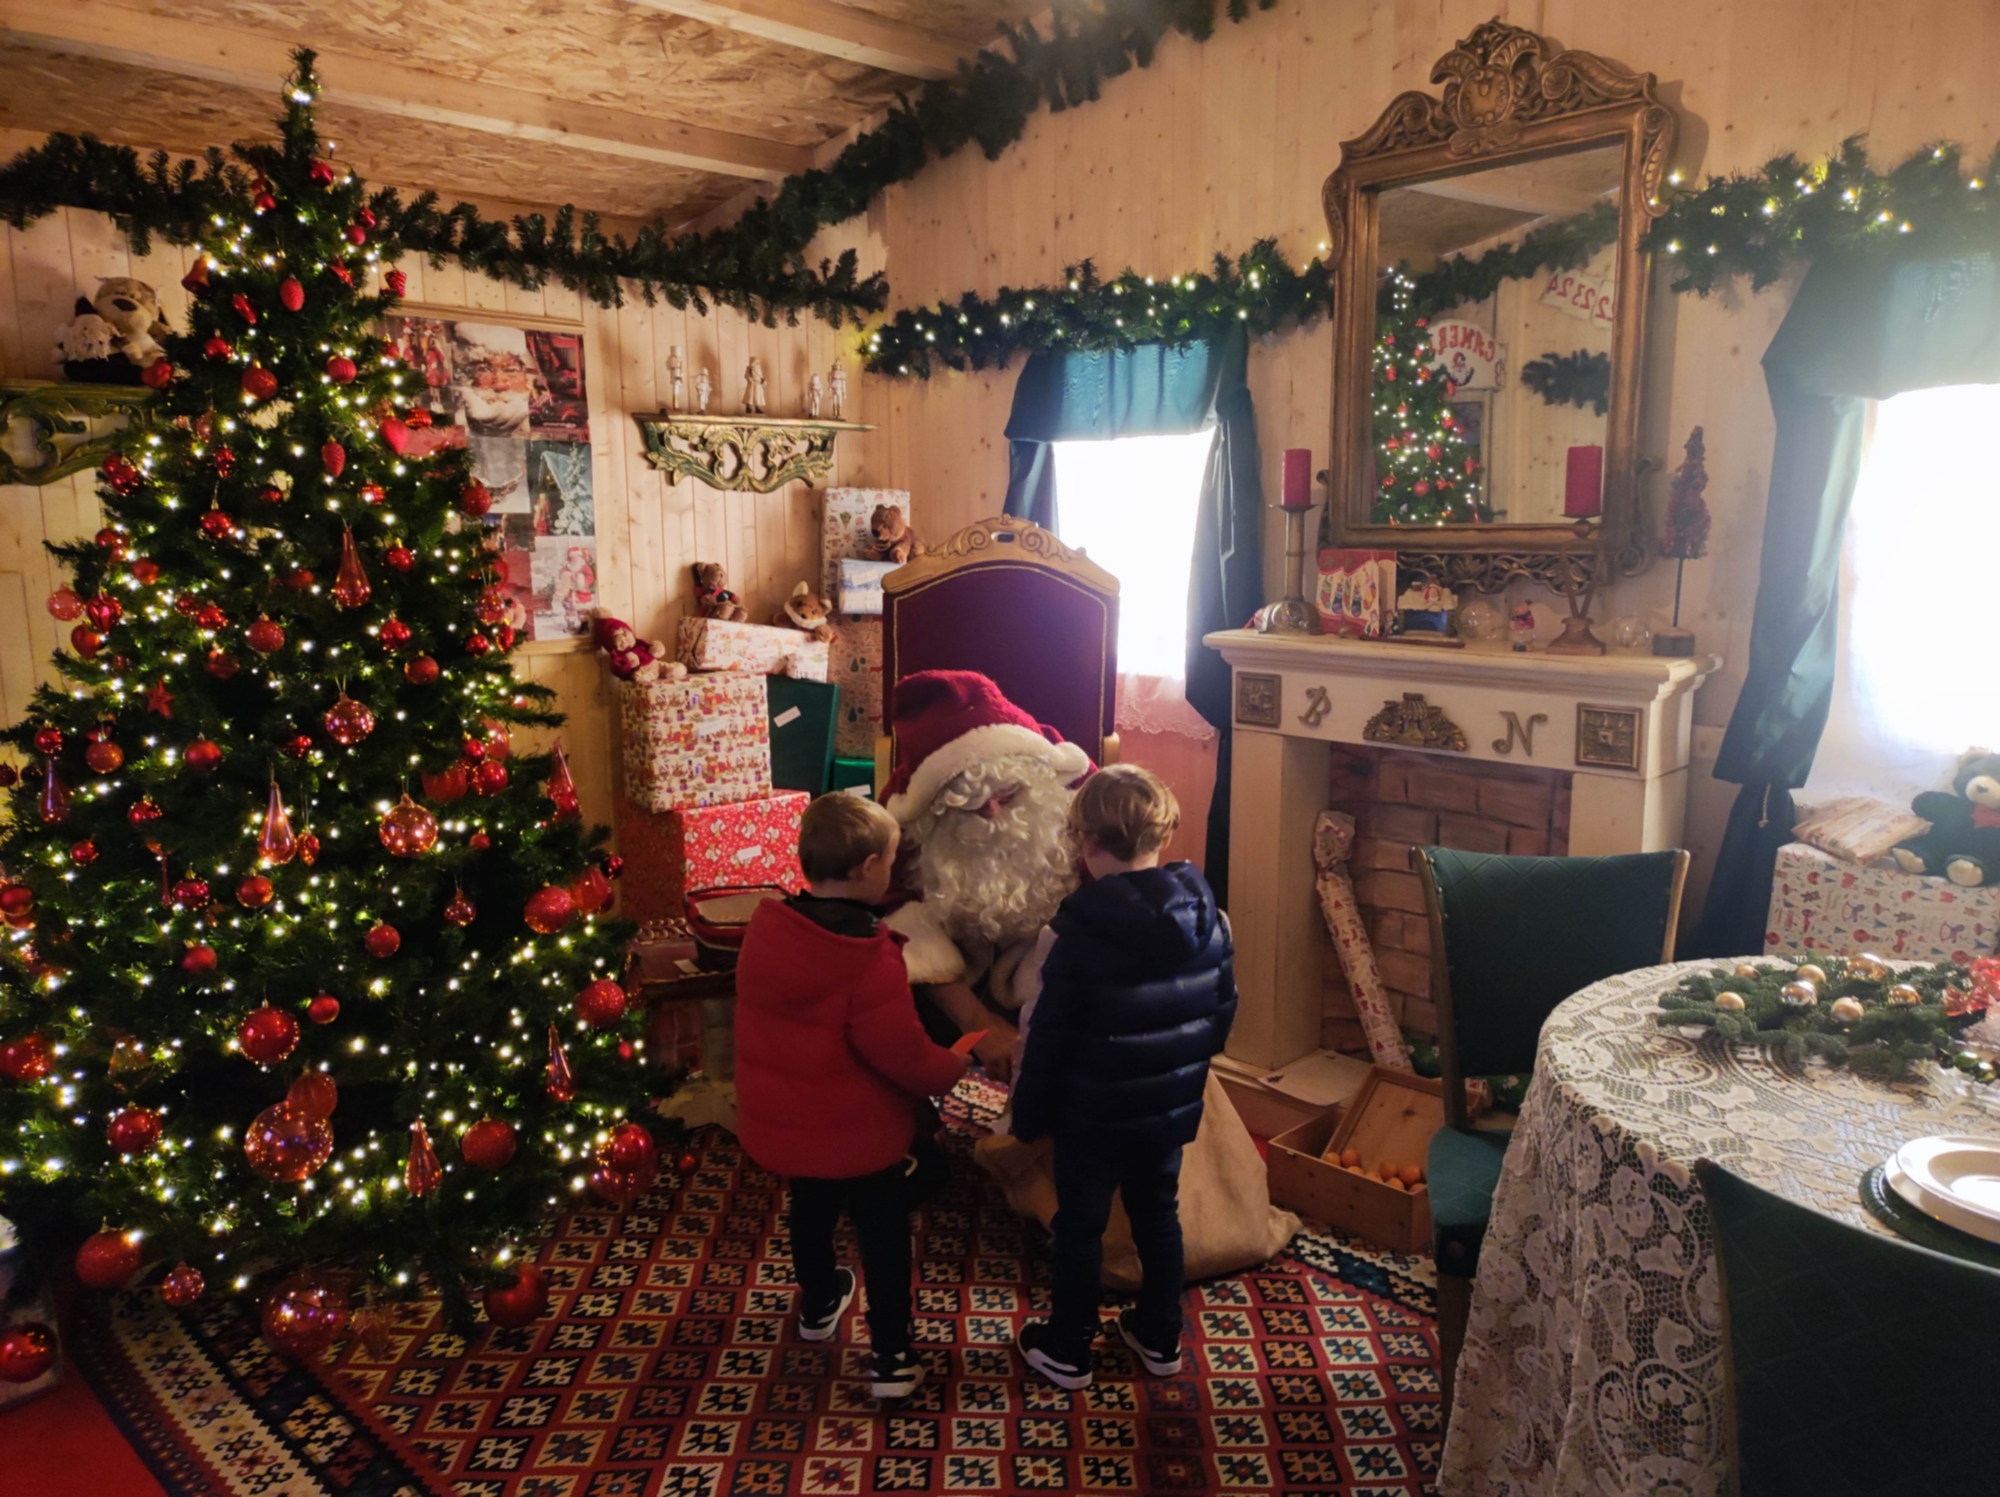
803	715
848	773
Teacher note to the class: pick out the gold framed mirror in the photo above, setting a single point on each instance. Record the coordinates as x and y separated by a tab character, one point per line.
1490	314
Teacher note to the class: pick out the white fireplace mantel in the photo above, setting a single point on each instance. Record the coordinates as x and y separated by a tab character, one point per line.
1619	725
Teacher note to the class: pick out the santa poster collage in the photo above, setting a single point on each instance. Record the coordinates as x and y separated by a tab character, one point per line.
516	397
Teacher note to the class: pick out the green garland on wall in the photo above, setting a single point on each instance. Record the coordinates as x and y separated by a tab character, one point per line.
1581	379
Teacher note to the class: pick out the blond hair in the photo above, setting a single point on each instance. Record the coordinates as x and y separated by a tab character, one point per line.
840	832
1128	811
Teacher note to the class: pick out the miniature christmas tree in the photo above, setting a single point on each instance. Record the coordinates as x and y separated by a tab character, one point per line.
305	964
1425	475
1684	534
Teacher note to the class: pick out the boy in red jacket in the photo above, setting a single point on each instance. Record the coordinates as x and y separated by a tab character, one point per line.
832	1069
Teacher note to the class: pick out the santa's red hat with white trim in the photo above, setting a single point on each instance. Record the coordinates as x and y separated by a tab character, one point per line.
946	722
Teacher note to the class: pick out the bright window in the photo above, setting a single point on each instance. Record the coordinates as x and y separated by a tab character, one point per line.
1913	685
1131	505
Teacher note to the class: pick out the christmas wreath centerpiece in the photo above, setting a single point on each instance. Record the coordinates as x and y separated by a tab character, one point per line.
1854	1011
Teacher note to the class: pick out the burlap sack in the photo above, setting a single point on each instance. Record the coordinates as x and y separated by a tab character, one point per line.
1227	1219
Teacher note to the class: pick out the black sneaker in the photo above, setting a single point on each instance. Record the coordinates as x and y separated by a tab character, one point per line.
1036	1343
895	1374
1154	1361
824	1325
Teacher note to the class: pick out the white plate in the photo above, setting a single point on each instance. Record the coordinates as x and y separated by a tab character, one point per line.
1955	1179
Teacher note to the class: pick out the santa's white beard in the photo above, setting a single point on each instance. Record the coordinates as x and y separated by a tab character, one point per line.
997	879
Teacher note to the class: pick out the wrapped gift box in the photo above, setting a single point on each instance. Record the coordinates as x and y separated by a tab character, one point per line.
857	671
844	532
1823	905
697	742
736	846
802	720
712	645
856	775
861	584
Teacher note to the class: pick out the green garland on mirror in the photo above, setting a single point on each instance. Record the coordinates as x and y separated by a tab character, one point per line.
1581	379
1755	224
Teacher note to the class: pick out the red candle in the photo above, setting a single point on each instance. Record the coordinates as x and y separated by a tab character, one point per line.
1583	483
1298	493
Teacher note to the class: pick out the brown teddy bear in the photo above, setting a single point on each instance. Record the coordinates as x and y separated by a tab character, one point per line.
713	597
806	610
894	540
633	658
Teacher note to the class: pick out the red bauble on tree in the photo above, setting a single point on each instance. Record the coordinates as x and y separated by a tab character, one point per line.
626	1164
275	843
107	1259
284	1143
314	1094
460	910
254	892
591	891
198	960
182	1286
549	909
348	721
399	558
65	605
489	777
25	1059
291	295
259	383
407	830
142	811
267	1035
475	499
16	900
104	756
83	853
488	1144
48	740
340	369
86	641
393	634
191	892
133	1130
562	787
520	1303
221	664
422	1173
601	1003
304	1315
323	1009
374	494
350	583
447	785
333	458
203	755
210	616
27	1351
382	941
422	671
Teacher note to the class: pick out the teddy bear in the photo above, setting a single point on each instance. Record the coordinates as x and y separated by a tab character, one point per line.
115	334
894	540
807	610
633	658
1963	843
713	597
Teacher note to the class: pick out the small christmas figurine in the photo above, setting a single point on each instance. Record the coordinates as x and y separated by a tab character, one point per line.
753	387
703	388
1684	536
1521	626
1426	606
837	383
815	392
676	379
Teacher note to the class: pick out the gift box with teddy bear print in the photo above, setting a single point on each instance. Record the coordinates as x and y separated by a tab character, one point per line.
703	740
759	649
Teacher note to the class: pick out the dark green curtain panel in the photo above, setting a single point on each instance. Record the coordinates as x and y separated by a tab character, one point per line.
1858	331
1154	391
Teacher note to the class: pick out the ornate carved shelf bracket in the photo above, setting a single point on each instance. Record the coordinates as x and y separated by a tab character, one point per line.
52	428
1414	723
757	453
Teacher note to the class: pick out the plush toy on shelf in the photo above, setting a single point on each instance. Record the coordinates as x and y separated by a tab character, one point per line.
115	335
808	611
633	658
713	597
1963	843
894	540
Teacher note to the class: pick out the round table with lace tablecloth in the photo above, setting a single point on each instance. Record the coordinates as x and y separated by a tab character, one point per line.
1593	1359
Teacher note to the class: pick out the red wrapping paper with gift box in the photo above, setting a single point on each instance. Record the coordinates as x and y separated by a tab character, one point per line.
736	846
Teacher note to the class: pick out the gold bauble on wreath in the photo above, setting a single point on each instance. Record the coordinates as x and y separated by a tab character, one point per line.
1799	994
1868	967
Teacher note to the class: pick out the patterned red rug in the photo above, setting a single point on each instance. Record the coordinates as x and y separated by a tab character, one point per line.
669	1367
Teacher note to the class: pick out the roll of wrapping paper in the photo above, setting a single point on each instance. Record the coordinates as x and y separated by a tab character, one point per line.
1332	838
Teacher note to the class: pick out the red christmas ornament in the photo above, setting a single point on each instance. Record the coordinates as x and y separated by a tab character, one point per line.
314	1094
348	722
601	1004
304	1315
475	499
16	899
210	616
559	1083
487	1145
104	757
447	785
225	460
407	830
614	866
142	811
356	235
157	375
382	941
220	664
84	853
298	745
1420	488
259	383
65	605
396	282
321	173
27	1351
549	909
85	640
198	959
54	805
591	890
275	843
114	542
473	749
217	347
366	218
422	1173
203	755
48	740
504	637
396	433
270	493
522	1302
350	583
562	786
340	369
399	558
299	579
421	671
479	842
25	1059
291	295
105	611
241	305
308	848
266	636
187	605
341	273
133	1130
191	892
9	777
489	778
145	572
373	494
477	644
263	202
631	1149
323	1009
284	1143
196	280
182	1286
393	634
107	1259
267	1035
460	911
333	457
216	525
254	892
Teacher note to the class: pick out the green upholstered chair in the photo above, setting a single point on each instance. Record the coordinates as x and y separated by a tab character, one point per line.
1510	939
1858	1362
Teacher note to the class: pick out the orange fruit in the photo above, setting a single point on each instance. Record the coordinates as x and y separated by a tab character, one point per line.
1350	1157
1396	1183
1386	1170
1409	1174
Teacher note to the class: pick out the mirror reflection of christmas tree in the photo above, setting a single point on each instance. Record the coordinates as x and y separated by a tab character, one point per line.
1426	472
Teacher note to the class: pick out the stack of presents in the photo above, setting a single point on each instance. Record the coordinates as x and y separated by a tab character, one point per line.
720	765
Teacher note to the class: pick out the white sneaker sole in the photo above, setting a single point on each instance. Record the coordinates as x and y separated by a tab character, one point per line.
831	1327
900	1387
1056	1372
1147	1359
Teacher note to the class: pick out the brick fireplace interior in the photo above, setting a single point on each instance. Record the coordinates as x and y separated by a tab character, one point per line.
1400	800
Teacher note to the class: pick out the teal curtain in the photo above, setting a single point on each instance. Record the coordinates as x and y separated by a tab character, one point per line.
1162	390
1858	331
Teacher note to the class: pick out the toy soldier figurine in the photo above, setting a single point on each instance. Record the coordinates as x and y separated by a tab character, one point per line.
703	388
837	381
676	379
753	387
815	390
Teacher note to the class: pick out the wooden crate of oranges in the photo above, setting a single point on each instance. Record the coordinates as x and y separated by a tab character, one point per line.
1361	1168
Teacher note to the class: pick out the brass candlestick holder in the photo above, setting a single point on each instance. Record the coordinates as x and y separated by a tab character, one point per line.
1291	614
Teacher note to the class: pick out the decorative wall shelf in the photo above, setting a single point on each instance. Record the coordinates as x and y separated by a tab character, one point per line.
758	453
52	428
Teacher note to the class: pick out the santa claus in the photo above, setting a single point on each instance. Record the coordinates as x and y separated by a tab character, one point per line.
982	791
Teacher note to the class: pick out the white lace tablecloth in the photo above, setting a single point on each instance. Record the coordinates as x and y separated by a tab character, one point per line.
1593	1361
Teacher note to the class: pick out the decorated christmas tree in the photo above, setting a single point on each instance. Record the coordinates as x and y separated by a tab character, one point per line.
1424	472
305	966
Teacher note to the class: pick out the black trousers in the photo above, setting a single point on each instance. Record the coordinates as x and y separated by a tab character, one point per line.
879	1205
1149	1182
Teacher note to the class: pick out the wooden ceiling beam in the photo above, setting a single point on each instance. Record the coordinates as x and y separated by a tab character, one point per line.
382	84
830	30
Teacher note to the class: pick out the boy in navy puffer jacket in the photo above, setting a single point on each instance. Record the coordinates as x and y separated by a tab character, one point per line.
1138	991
